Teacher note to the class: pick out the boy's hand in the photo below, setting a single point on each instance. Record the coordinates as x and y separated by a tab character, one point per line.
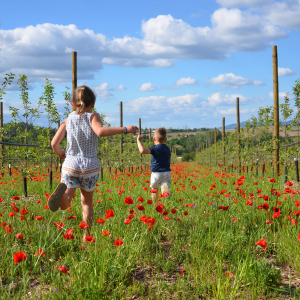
131	129
140	137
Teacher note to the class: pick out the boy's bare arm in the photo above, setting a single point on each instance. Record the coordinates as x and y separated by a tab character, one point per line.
142	149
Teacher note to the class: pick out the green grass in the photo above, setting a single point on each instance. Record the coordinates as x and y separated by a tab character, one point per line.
175	260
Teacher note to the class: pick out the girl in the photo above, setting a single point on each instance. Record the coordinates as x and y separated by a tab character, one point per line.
81	167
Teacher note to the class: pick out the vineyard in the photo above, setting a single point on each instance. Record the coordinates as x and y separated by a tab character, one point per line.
229	230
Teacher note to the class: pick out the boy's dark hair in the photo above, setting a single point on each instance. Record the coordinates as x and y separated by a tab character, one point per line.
82	98
161	134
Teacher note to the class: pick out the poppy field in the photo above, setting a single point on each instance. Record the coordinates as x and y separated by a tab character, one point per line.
221	235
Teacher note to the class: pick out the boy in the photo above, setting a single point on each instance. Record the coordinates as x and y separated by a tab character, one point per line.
160	162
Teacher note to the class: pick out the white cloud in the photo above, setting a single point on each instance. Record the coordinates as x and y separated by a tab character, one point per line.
285	72
147	87
233	81
105	87
245	3
109	119
232	111
218	99
186	81
284	13
43	51
163	104
281	95
105	95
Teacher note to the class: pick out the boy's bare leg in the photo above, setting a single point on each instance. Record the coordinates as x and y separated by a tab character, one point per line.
154	197
165	189
87	209
67	198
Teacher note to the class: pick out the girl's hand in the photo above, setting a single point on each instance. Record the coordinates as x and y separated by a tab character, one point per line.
132	129
140	137
62	154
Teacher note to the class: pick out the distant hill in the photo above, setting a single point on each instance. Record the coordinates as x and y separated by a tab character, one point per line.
233	126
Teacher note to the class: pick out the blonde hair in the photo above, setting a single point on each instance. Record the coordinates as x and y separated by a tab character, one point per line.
161	134
82	98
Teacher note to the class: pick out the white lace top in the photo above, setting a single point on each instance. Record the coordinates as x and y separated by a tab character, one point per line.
82	143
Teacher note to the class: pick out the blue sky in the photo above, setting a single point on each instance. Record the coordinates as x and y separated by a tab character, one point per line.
172	63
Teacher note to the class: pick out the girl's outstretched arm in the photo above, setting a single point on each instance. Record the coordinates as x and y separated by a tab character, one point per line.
108	131
55	143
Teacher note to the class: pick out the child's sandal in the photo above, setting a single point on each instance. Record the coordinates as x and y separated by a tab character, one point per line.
55	199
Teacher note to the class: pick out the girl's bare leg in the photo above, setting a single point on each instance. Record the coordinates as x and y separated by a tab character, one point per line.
87	209
67	198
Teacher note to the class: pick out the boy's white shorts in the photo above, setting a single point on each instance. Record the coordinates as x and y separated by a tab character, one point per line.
159	178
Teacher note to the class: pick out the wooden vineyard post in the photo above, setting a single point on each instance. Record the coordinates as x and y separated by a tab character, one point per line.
1	125
238	132
121	125
215	145
58	159
223	139
140	133
74	72
276	109
150	138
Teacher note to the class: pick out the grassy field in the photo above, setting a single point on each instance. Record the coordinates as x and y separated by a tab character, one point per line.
219	236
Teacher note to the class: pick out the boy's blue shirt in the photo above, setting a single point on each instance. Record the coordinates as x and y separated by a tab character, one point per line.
160	158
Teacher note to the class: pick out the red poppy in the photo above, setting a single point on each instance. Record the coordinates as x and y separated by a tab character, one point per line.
69	234
167	218
262	243
89	238
227	273
265	206
141	200
40	252
289	183
19	256
16	197
12	214
130	217
272	180
128	200
297	203
82	225
19	236
8	229
59	225
63	269
173	211
160	208
165	194
109	214
3	224
72	217
100	221
39	218
294	222
269	222
105	233
185	213
127	221
149	201
140	207
234	219
249	202
118	242
299	237
153	191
